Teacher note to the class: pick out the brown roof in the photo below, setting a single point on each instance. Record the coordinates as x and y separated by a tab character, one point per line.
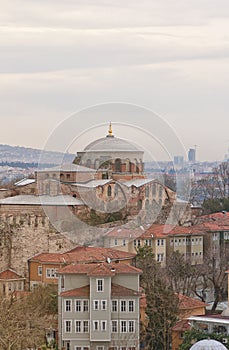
120	291
126	232
81	254
186	302
182	326
77	292
9	275
116	291
102	269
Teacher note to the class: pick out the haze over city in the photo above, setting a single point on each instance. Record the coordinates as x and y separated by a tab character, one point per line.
170	57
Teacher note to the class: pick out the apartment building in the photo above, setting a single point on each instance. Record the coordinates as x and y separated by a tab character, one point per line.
99	307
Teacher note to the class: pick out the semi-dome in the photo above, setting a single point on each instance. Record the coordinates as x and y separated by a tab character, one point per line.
208	344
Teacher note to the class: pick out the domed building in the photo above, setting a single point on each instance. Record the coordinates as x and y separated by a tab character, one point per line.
112	157
208	344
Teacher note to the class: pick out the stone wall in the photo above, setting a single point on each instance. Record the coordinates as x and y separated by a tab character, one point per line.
23	236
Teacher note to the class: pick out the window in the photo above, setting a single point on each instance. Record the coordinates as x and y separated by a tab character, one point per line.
62	282
123	306
78	326
103	304
68	305
135	243
39	270
100	284
147	191
67	344
96	304
131	306
85	306
99	347
124	242
96	325
103	326
9	287
114	305
78	305
123	327
114	326
131	326
171	241
85	326
109	191
160	257
139	242
51	273
68	326
115	242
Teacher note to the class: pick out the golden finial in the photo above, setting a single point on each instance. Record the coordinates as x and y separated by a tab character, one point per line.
110	132
110	129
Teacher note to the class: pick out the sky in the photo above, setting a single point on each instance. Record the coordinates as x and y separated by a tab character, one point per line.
171	57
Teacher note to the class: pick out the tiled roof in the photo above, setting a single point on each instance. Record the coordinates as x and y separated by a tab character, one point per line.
77	292
126	232
49	258
137	182
120	291
83	254
182	326
186	302
9	275
101	270
97	254
116	291
90	269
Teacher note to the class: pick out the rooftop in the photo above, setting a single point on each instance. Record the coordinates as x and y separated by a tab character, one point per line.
41	200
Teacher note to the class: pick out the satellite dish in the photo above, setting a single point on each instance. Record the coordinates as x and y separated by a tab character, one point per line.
108	260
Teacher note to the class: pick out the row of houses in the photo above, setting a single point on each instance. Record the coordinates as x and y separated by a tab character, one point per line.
210	233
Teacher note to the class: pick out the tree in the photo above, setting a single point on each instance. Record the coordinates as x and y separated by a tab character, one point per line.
162	302
194	335
24	320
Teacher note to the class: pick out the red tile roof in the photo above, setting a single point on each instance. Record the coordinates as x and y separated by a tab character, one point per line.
9	275
187	303
126	232
77	292
182	326
81	254
102	269
116	291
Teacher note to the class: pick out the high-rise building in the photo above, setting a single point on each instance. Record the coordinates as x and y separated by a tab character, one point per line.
192	155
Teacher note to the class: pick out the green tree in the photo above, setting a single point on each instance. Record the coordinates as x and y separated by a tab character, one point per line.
162	303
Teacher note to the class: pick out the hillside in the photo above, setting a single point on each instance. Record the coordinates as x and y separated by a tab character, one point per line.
16	154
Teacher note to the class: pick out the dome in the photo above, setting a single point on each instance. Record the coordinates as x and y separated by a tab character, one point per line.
208	344
111	144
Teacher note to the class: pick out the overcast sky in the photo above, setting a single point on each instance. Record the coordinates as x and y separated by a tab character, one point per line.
172	57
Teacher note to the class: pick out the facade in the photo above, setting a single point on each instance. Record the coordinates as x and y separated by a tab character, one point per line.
11	282
99	307
163	240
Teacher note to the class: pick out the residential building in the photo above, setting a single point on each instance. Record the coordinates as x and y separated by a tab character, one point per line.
11	282
99	307
43	267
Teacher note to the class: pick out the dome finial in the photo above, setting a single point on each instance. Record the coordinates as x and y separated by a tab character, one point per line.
110	132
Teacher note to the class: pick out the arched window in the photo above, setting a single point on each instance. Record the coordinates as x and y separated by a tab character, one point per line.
116	190
97	164
147	191
88	163
154	189
139	204
147	204
160	191
118	165
109	191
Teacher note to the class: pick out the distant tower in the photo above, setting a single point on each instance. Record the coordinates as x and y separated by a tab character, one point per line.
192	155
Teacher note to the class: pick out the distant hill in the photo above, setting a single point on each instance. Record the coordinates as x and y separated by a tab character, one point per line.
19	156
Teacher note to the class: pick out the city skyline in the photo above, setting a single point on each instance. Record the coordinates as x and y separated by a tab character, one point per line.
169	57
